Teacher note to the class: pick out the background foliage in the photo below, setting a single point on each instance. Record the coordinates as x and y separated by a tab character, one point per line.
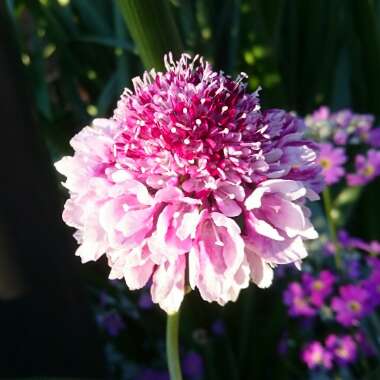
78	56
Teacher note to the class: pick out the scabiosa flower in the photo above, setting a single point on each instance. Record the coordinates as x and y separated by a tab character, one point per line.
331	160
367	168
160	187
343	348
351	305
314	355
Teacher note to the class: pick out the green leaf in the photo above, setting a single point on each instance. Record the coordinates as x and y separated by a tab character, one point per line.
153	29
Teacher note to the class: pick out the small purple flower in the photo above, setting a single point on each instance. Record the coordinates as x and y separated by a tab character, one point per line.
298	301
320	287
350	242
343	349
192	365
351	305
329	248
367	168
331	160
321	114
343	127
314	355
111	322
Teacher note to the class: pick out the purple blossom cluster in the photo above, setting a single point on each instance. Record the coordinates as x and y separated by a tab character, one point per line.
339	302
343	127
336	131
305	298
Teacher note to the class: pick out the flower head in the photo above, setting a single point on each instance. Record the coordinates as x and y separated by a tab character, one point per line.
331	160
343	348
314	355
367	168
298	301
351	305
319	287
160	187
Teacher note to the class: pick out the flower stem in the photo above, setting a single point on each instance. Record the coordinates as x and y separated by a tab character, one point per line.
172	352
331	224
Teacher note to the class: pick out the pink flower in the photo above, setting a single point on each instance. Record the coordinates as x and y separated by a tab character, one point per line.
190	180
320	287
367	168
343	348
314	355
351	305
331	160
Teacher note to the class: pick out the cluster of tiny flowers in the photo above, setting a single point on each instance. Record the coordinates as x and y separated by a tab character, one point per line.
338	301
190	183
335	131
343	127
305	298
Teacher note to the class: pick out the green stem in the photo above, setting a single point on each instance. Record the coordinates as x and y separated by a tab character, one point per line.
172	351
153	29
331	224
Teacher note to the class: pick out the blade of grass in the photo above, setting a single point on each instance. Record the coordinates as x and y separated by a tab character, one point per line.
152	27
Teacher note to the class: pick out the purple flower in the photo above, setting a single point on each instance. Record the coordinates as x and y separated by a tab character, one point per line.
298	301
111	322
350	242
331	160
192	365
343	348
320	287
367	168
351	305
315	355
343	127
329	248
